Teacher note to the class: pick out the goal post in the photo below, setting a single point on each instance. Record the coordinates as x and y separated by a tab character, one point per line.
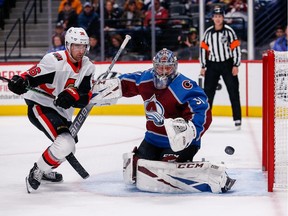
275	119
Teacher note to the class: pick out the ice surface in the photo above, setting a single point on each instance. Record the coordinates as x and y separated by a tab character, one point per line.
102	141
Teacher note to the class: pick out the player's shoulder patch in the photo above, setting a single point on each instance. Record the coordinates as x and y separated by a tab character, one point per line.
187	84
58	56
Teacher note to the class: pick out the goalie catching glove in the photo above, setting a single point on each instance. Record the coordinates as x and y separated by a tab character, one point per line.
109	75
106	90
180	133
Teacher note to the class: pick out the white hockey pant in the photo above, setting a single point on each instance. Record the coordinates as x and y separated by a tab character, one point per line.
63	145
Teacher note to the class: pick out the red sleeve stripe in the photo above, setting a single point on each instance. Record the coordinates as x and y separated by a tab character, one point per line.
24	74
45	88
89	96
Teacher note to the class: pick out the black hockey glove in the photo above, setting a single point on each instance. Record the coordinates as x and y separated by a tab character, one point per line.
67	98
18	85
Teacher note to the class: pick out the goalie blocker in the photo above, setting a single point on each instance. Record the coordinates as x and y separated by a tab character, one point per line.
165	177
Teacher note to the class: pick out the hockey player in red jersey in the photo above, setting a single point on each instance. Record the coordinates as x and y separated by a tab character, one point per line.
68	76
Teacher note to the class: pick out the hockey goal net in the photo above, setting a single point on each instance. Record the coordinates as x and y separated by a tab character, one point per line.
275	119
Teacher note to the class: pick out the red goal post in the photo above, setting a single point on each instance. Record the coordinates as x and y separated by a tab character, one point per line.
275	119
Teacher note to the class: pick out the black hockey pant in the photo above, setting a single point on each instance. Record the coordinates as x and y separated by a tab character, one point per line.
212	76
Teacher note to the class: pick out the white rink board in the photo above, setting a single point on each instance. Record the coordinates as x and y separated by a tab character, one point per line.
191	70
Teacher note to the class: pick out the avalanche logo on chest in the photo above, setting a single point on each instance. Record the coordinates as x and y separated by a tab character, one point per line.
154	111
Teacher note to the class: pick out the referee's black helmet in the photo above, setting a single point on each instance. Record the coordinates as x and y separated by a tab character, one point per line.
218	10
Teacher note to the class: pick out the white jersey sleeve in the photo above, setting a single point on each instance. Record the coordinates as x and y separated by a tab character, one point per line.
54	73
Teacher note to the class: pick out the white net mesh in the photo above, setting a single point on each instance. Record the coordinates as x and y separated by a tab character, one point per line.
281	121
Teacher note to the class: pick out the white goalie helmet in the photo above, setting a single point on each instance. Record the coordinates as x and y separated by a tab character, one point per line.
76	36
165	68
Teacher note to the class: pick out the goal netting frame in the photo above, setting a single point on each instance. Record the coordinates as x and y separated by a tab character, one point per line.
275	119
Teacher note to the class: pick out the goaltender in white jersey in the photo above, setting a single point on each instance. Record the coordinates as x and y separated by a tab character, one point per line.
67	76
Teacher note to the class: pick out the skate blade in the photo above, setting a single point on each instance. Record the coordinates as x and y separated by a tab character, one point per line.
28	187
231	183
43	181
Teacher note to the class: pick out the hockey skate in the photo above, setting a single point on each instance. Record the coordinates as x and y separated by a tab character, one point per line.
54	177
33	180
229	183
238	124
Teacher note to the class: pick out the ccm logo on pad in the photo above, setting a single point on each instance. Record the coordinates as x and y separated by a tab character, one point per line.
189	165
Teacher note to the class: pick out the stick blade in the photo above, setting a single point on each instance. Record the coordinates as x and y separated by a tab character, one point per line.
77	166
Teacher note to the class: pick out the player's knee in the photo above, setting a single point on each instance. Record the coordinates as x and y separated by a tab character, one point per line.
63	145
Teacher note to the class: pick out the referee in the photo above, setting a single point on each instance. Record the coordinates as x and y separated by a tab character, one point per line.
220	56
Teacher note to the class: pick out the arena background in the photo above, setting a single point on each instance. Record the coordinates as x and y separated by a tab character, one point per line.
27	27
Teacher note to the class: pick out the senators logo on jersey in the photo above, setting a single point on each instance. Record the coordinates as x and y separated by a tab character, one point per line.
70	83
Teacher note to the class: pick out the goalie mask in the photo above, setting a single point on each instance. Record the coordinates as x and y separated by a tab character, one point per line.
165	68
76	36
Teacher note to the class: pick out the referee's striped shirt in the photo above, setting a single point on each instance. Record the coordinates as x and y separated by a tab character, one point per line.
219	46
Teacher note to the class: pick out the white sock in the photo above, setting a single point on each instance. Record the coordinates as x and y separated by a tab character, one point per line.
43	165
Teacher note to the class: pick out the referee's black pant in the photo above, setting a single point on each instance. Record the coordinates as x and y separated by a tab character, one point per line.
213	72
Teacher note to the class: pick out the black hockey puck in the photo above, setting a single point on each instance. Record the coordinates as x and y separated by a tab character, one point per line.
229	150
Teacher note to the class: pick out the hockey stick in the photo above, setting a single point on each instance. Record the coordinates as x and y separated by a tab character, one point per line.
29	88
83	114
70	158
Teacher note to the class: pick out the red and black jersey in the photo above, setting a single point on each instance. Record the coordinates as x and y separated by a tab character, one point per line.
54	73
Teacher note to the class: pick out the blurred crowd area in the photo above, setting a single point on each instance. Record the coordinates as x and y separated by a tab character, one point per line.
176	25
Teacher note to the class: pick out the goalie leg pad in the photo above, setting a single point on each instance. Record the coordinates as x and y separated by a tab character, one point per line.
154	176
163	177
128	168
